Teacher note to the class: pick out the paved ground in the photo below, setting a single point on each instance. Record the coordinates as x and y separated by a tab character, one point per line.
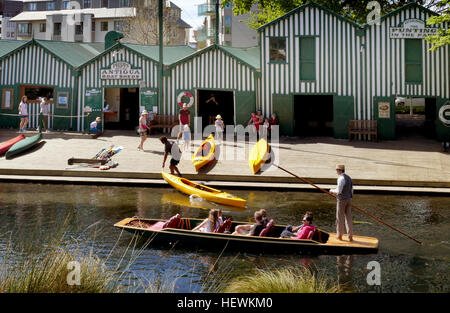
407	162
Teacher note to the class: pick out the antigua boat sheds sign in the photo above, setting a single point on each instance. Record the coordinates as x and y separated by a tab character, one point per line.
412	29
121	70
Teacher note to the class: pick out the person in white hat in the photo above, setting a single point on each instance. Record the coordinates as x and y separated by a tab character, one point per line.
220	126
143	129
344	195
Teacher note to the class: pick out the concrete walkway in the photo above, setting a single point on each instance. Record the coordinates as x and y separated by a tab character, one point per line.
412	162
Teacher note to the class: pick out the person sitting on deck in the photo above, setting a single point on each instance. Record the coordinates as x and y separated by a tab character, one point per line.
255	229
94	127
304	231
210	224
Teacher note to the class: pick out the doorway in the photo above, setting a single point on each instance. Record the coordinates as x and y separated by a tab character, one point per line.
415	116
313	115
214	102
121	108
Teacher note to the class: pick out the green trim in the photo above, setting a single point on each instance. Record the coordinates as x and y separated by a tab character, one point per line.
277	62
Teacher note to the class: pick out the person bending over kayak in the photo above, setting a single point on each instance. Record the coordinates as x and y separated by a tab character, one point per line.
173	149
255	229
304	231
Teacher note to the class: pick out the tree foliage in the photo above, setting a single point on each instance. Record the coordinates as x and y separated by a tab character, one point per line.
442	38
264	11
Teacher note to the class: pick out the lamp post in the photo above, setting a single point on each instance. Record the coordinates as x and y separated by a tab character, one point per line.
216	39
161	66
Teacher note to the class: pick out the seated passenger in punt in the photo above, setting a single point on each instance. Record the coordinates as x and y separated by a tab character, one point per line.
253	229
210	224
304	231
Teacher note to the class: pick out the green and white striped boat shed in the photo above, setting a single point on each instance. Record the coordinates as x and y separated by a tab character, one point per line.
359	65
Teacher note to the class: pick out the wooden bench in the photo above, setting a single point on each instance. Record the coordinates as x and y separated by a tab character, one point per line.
163	122
363	127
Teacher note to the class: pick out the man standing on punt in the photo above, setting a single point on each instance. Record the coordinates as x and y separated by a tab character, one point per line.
344	194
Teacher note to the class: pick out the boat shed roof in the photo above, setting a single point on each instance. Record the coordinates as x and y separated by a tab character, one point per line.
9	46
171	53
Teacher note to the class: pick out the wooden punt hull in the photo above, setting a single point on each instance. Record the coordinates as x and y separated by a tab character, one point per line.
185	238
258	155
207	193
6	145
23	145
202	156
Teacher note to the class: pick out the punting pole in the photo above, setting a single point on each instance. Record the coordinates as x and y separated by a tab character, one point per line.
354	207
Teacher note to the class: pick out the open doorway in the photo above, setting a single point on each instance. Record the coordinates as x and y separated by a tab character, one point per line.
214	102
313	115
121	108
415	116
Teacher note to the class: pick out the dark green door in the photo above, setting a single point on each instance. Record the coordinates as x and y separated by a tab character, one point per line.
343	112
245	105
149	98
93	99
283	107
384	113
443	120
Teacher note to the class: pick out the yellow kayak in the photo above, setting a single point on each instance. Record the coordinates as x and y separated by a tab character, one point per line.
207	193
204	153
258	155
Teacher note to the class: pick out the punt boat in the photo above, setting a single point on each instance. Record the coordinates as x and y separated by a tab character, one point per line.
258	155
184	237
23	145
207	193
204	153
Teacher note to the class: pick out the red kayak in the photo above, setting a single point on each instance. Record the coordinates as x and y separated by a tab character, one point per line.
4	146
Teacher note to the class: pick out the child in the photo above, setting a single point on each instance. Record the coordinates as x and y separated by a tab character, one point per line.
219	128
186	137
266	127
94	125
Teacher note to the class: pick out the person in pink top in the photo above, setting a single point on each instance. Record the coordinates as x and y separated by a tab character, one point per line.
305	231
254	120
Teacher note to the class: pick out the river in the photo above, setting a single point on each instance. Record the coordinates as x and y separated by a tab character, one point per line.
405	266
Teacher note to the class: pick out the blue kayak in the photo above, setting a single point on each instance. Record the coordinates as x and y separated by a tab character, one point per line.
23	145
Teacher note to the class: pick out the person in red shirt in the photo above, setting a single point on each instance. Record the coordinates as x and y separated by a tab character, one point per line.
185	119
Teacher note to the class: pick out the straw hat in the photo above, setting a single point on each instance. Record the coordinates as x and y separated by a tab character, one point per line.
144	112
340	167
218	117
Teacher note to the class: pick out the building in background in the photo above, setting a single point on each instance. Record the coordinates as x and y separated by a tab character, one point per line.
79	20
233	30
9	9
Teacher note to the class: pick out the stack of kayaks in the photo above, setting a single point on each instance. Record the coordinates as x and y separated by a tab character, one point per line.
207	193
259	155
23	145
204	153
6	145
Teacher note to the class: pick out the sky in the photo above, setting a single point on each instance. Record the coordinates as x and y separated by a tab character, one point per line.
189	12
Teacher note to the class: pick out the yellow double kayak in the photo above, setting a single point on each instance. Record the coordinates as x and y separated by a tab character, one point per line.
258	155
207	193
204	153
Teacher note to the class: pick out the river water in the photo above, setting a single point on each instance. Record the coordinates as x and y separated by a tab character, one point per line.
404	265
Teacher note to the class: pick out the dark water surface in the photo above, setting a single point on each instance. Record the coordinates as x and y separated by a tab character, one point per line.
405	265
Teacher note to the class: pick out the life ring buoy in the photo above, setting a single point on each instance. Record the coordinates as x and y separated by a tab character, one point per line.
185	94
444	114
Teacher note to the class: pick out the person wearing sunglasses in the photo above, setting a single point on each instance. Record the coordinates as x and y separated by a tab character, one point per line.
300	231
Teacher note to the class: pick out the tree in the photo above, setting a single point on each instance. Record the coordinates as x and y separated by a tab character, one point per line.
442	38
144	27
355	10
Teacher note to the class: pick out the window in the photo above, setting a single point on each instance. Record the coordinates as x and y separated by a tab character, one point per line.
50	6
87	4
93	26
104	26
79	29
65	5
413	60
119	25
42	27
124	3
7	98
105	3
32	6
24	28
307	58
57	29
227	23
277	47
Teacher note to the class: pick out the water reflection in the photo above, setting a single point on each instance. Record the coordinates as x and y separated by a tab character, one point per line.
344	272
